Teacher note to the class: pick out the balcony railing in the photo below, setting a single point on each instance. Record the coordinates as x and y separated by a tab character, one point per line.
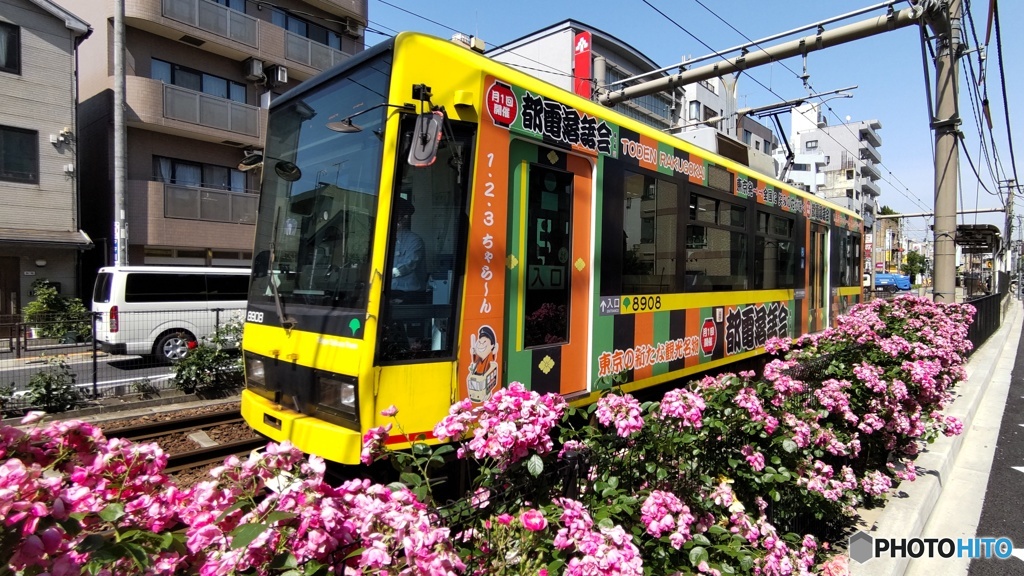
194	203
215	19
314	54
210	111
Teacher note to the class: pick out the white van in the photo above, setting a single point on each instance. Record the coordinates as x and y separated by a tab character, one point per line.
165	310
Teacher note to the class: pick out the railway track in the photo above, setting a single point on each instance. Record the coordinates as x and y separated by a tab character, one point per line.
150	430
212	455
200	457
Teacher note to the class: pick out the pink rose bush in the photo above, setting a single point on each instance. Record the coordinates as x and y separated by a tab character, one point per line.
73	500
712	479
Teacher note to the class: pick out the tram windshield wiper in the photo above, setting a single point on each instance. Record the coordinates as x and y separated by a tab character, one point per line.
286	322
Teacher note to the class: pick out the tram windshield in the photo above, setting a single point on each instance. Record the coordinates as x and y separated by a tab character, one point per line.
319	198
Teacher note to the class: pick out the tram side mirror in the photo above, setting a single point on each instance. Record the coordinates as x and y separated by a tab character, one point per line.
426	139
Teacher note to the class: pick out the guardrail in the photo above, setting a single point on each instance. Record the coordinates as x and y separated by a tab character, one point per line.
987	319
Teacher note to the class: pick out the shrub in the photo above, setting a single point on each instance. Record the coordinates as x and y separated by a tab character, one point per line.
57	316
214	366
53	388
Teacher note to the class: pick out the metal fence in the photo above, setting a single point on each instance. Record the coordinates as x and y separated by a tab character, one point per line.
60	350
987	319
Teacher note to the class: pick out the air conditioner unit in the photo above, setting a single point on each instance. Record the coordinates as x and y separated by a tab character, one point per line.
253	69
277	74
352	29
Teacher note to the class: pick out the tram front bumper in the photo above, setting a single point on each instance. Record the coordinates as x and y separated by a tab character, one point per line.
308	433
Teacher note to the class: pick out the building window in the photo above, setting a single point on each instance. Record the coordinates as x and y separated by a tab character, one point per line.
811	145
19	155
10	48
849	192
746	137
757	145
173	171
199	81
694	110
306	29
849	174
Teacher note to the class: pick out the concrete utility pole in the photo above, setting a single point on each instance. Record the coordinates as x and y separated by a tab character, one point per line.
120	137
944	20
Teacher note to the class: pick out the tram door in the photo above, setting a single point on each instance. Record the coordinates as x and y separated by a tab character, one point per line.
549	269
818	282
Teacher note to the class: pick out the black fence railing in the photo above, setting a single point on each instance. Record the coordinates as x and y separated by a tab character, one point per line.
987	319
99	357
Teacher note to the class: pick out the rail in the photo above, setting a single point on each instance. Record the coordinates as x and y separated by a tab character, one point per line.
188	424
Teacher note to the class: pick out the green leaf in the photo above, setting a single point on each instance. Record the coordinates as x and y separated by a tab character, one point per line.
278	515
697	555
284	560
727	569
443	449
613	482
702	540
535	465
91	543
245	534
411	479
775	495
112	512
232	508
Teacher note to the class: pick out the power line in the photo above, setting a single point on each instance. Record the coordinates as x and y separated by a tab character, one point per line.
803	78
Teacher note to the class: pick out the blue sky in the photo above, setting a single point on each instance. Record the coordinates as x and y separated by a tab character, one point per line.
887	69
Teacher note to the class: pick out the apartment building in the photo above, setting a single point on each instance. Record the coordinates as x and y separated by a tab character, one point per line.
40	229
839	162
199	75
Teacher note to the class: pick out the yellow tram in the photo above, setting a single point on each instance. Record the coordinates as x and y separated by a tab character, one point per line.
434	225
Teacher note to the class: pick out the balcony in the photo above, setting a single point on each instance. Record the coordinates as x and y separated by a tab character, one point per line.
209	205
869	152
309	53
232	34
215	19
869	135
161	214
153	105
869	187
870	171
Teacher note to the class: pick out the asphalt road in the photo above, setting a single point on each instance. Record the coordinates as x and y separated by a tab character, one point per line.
1002	513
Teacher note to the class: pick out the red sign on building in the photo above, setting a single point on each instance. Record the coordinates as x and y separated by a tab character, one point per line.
581	65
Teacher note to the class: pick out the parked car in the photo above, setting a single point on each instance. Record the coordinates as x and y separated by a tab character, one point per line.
891	282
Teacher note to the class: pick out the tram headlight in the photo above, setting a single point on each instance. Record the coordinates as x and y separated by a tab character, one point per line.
338	393
254	372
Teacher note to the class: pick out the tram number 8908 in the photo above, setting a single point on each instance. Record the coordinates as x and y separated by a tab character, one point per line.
644	303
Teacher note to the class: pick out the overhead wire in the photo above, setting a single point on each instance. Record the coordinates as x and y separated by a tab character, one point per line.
909	196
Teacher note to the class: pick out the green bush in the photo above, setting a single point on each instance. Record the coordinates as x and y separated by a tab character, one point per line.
57	316
53	389
215	365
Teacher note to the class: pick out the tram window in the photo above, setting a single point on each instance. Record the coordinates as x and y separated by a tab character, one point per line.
717	247
548	250
650	228
428	205
849	258
774	252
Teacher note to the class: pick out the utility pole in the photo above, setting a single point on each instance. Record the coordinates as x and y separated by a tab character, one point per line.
120	137
946	27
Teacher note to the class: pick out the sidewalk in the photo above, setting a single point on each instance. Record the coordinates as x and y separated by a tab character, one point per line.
946	499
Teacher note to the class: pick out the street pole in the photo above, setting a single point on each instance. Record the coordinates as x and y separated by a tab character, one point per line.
120	138
946	123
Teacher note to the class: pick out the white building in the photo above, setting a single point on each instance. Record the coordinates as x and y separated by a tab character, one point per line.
836	162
